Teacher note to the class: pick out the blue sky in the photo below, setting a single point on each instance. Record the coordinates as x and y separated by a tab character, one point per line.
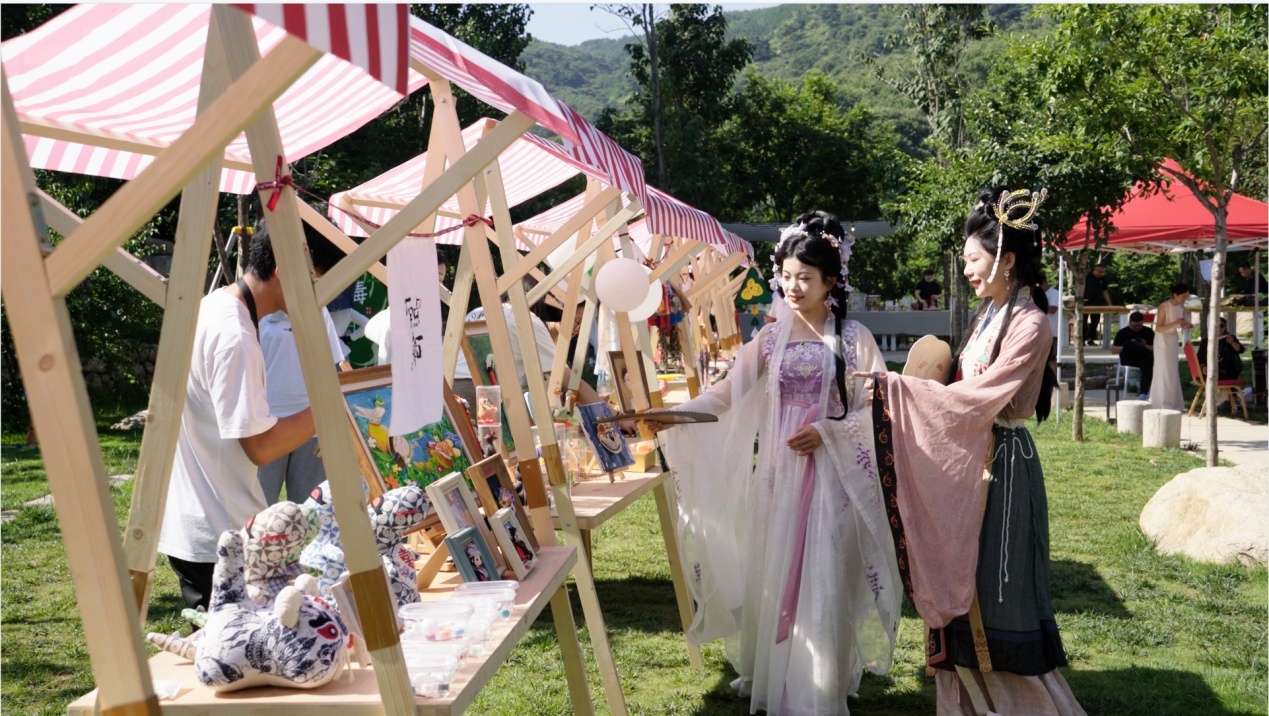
574	23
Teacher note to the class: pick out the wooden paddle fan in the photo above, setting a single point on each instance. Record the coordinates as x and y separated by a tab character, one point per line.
929	358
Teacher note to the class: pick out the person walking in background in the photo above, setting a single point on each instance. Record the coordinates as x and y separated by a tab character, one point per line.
1135	347
974	548
1165	388
1096	293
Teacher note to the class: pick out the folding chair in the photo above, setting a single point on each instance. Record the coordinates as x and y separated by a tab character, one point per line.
1232	388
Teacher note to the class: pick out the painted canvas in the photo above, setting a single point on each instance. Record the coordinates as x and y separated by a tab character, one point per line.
419	458
610	447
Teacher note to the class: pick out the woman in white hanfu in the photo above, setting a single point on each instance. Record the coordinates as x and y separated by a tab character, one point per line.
789	554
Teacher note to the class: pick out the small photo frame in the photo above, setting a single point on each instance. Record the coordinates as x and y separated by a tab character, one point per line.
456	507
472	557
496	491
513	539
610	447
628	381
419	458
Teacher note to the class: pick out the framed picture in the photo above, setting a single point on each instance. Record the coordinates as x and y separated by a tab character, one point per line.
478	352
472	556
628	381
419	458
496	491
456	507
610	447
512	539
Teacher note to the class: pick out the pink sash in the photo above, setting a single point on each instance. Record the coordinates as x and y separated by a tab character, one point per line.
789	601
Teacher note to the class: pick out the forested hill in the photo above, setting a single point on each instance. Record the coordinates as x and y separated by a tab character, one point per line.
789	41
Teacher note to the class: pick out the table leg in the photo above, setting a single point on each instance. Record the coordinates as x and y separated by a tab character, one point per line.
589	554
666	510
571	650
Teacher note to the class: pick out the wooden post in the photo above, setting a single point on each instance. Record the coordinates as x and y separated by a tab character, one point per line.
176	345
60	412
370	587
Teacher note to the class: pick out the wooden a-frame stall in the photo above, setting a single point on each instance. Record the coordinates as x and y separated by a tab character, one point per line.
238	87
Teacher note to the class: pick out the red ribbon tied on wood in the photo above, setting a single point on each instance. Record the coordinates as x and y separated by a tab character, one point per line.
279	181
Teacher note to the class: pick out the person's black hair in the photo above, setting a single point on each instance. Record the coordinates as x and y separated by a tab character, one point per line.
1179	288
816	250
928	272
1024	244
261	262
1135	316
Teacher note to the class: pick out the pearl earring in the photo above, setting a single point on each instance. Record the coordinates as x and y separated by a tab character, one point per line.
1006	274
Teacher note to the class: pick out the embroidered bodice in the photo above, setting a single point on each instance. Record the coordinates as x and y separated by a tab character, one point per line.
802	370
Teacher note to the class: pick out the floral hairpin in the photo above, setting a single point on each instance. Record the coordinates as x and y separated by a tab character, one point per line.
843	246
1014	209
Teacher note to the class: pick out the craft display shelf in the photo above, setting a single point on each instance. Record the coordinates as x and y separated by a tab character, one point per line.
597	501
356	693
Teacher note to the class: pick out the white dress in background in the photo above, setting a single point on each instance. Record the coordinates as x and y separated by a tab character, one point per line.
740	522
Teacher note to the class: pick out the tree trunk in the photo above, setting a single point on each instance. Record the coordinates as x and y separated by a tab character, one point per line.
654	71
1077	401
1213	317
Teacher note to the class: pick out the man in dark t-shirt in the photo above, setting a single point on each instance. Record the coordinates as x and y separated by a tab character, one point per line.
1135	347
1096	293
1229	359
928	292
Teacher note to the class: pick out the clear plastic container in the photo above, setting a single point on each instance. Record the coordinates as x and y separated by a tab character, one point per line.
472	587
437	621
431	674
496	603
445	648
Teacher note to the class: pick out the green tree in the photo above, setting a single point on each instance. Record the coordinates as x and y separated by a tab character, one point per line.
1182	81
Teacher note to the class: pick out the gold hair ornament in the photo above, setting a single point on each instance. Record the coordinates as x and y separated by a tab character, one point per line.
1007	208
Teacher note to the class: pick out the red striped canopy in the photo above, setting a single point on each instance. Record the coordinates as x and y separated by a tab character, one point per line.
101	89
372	37
502	87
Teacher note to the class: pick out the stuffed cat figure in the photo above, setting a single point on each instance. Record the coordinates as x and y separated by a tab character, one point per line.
298	641
272	541
393	514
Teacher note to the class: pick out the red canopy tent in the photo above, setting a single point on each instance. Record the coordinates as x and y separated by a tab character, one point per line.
1173	219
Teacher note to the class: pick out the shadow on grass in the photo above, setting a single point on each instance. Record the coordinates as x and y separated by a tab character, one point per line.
878	696
1148	692
1077	587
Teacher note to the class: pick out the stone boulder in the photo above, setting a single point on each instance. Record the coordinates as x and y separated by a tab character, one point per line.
1212	514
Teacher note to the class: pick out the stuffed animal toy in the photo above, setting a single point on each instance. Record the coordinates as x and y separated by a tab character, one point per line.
393	514
298	641
272	541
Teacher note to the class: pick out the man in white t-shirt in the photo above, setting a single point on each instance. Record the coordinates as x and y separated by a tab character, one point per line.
301	470
1054	300
226	428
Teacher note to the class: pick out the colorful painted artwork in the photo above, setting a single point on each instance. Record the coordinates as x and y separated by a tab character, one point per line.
419	458
610	446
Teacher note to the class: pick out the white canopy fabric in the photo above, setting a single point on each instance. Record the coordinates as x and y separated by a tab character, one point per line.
101	89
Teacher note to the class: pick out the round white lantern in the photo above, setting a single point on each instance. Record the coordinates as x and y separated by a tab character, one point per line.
644	311
621	284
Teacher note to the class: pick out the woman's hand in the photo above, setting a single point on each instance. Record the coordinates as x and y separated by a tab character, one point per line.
806	440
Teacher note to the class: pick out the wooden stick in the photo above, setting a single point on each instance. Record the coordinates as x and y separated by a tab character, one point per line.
545	247
618	220
138	200
314	219
369	584
176	344
60	413
718	272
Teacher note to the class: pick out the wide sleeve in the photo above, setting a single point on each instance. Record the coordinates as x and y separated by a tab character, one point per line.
940	436
750	365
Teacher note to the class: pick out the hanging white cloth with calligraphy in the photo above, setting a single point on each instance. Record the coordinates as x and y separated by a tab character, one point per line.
414	302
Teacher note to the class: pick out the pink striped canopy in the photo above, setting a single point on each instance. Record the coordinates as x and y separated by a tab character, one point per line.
502	87
101	89
372	37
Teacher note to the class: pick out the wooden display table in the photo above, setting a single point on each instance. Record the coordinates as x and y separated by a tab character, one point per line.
358	694
597	501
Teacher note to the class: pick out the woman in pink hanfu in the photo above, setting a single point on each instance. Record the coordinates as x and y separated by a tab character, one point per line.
789	556
964	488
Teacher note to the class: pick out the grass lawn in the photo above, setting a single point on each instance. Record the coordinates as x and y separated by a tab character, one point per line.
1145	634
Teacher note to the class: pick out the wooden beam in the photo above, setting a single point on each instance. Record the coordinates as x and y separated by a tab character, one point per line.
719	272
584	251
138	200
677	259
166	405
135	272
60	412
565	232
459	173
370	588
89	136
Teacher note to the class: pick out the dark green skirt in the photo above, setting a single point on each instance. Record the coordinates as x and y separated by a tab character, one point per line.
1013	571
